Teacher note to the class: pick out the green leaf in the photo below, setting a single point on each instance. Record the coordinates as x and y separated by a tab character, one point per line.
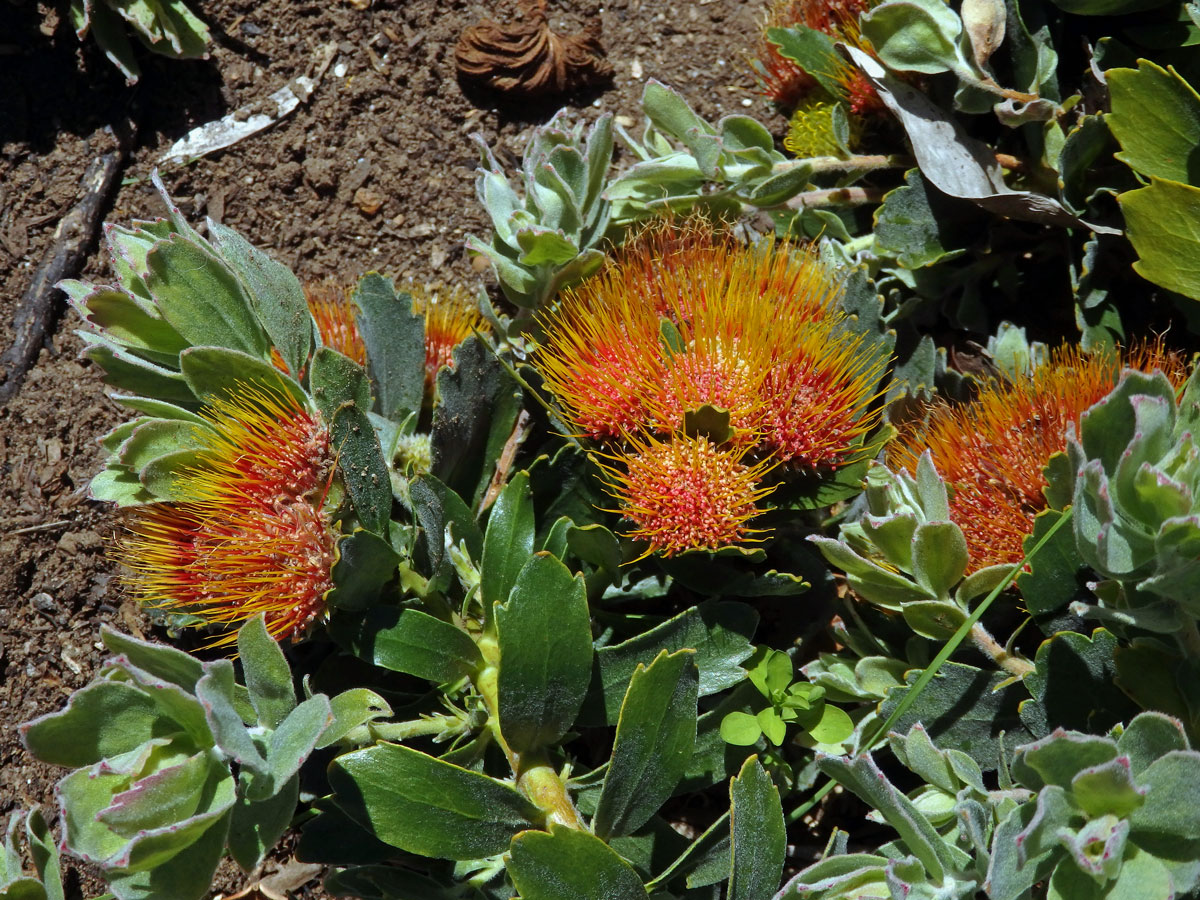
813	51
350	709
939	553
409	641
427	806
160	660
1057	575
545	638
276	295
965	708
470	400
1172	805
758	834
860	775
268	676
290	744
216	690
669	112
655	736
1074	685
567	864
201	298
915	35
740	729
436	508
187	875
360	460
336	380
104	719
218	373
395	342
914	224
384	883
366	563
719	633
508	541
1149	736
1106	7
257	826
1163	224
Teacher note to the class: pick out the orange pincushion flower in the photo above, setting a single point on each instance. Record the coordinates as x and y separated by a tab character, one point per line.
686	493
991	451
251	535
451	316
685	317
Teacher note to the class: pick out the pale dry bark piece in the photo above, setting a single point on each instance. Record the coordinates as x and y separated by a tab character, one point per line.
525	58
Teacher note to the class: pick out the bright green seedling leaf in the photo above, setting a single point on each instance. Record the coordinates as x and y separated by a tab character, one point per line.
395	342
939	554
758	834
410	641
1163	224
740	729
268	676
655	736
427	806
275	294
566	864
545	639
508	541
201	298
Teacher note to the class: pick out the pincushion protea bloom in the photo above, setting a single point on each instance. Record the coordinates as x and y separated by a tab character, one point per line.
251	534
451	316
686	317
686	493
991	451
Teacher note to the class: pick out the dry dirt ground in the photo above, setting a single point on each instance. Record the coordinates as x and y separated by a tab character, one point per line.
388	118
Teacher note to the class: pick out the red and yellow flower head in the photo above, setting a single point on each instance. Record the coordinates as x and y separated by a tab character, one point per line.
686	493
250	533
686	317
992	451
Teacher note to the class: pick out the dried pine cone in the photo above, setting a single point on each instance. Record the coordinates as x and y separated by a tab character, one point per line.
526	59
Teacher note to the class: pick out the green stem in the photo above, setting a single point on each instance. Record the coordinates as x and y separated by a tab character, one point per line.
845	196
990	647
822	164
536	778
402	731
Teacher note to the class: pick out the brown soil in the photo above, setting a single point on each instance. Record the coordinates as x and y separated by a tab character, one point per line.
388	118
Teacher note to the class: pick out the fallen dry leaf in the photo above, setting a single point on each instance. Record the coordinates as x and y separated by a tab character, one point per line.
526	59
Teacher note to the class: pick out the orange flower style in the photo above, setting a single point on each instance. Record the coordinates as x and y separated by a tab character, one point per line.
991	451
686	494
451	316
250	534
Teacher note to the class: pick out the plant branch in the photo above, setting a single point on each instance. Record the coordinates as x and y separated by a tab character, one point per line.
846	196
991	648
